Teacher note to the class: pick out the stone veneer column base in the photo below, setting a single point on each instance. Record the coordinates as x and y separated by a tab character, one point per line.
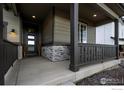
56	53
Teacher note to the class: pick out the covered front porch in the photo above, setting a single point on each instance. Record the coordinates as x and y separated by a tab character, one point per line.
83	55
40	71
90	53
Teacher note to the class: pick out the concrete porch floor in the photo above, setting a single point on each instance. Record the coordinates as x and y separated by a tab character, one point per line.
40	71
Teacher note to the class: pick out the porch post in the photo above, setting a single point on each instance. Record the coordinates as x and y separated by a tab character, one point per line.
74	37
1	47
117	38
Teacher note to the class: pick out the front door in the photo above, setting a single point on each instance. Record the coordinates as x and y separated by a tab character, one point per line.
30	40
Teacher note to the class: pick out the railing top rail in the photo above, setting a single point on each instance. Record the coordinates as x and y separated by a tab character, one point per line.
12	43
88	44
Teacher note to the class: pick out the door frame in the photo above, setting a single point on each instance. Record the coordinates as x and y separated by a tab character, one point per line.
26	25
35	40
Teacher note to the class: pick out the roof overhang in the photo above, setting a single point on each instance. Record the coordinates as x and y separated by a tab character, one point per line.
105	13
110	12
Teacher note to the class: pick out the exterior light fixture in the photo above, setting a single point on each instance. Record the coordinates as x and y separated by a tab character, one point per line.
122	17
94	15
34	17
13	33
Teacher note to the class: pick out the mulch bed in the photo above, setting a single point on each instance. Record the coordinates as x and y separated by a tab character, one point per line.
108	77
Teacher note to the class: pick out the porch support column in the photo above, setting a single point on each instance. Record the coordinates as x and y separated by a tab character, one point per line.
1	47
117	37
74	37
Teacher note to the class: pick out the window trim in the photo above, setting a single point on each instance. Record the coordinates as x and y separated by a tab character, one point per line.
79	29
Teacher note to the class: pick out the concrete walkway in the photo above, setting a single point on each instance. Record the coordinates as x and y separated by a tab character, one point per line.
40	71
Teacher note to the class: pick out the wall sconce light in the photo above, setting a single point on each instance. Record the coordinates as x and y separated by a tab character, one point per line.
13	33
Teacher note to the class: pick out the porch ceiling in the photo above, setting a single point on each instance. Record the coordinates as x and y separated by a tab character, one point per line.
117	8
27	10
86	12
40	10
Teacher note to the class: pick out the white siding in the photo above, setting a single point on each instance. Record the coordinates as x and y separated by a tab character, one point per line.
121	33
121	30
104	34
109	29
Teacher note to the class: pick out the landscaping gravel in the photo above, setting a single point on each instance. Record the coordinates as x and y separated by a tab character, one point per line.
114	76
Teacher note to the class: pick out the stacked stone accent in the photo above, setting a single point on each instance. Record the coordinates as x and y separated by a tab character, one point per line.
56	53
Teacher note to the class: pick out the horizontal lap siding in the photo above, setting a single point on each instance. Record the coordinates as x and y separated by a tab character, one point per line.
91	34
61	28
13	23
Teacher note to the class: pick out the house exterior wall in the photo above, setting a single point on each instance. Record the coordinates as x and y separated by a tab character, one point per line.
13	23
91	34
61	27
47	29
121	30
56	53
61	36
105	32
121	33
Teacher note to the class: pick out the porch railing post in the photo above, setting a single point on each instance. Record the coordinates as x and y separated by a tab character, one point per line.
74	37
117	37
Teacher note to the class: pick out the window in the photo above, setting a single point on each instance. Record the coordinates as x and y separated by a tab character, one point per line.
31	37
82	33
31	42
